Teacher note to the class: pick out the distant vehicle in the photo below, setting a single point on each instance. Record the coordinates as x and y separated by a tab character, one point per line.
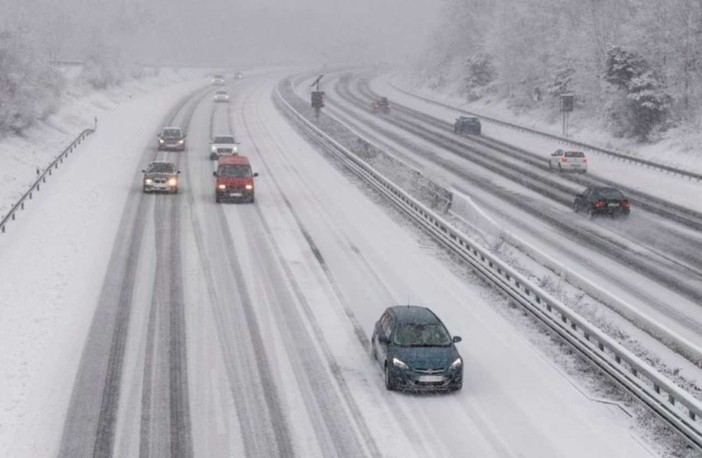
161	176
601	200
223	145
416	351
238	75
568	161
171	138
467	125
217	80
235	180
381	106
221	96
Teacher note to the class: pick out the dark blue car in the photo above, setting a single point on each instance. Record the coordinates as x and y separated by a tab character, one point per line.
416	351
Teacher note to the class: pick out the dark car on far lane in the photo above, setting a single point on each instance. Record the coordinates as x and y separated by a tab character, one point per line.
602	200
416	351
467	125
171	138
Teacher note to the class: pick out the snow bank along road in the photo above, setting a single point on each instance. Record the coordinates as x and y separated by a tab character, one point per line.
168	325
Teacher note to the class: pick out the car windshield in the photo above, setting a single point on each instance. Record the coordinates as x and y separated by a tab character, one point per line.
574	154
235	170
171	132
161	167
224	139
421	335
221	93
610	193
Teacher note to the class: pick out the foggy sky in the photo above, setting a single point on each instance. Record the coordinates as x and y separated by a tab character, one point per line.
226	32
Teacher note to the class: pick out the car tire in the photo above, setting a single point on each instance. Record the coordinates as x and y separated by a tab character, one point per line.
175	190
252	200
560	168
550	166
145	190
458	387
373	352
386	377
217	200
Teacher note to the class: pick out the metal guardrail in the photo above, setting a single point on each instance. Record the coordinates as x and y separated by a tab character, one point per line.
564	140
670	402
41	179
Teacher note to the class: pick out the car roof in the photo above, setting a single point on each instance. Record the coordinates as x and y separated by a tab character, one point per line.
234	160
171	128
468	117
223	136
414	314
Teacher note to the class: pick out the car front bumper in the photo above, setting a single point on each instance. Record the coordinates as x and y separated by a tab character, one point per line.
412	380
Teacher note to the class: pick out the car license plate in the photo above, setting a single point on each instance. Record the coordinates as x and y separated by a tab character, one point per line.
431	378
613	204
235	194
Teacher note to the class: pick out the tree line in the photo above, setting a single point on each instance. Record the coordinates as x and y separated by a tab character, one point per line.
634	64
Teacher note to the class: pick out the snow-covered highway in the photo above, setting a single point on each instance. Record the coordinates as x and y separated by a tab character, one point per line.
168	325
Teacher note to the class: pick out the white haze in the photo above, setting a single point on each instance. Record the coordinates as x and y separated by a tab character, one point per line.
221	32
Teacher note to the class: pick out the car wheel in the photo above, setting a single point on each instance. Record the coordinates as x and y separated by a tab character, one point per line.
252	200
388	380
550	166
560	168
217	200
145	190
373	352
175	190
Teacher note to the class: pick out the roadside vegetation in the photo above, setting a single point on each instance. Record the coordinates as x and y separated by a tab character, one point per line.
635	66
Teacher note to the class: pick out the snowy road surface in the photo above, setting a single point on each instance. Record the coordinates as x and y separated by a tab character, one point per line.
168	325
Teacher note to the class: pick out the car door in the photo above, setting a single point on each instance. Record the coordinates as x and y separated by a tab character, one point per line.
384	329
582	201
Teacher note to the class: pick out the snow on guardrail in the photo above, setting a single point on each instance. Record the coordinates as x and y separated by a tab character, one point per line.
676	406
41	179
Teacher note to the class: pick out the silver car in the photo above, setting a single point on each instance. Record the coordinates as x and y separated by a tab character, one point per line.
161	176
223	145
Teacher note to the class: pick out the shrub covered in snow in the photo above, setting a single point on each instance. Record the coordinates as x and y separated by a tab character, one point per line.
29	87
640	103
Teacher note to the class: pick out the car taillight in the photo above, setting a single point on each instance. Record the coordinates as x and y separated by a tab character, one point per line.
564	159
599	204
626	204
584	159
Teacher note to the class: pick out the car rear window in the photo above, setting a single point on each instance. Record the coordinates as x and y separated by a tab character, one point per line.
574	154
610	193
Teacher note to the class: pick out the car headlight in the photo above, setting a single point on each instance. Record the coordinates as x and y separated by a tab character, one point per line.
222	186
249	187
456	364
180	142
397	363
235	148
160	140
172	181
213	149
148	181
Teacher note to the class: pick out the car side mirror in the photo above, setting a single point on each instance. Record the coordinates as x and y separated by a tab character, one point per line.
457	339
214	174
185	135
178	172
383	339
255	174
143	171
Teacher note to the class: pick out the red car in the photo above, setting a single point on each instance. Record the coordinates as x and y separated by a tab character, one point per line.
235	180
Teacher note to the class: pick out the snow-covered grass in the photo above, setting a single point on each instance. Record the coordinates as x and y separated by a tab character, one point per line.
21	156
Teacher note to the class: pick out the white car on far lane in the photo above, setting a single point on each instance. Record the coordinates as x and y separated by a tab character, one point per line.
568	161
222	145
